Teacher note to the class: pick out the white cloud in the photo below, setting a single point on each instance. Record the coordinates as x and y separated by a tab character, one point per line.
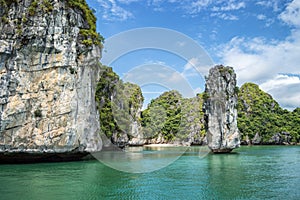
291	15
113	12
261	61
261	17
197	6
195	68
285	89
269	4
128	1
268	21
231	5
155	62
279	81
224	16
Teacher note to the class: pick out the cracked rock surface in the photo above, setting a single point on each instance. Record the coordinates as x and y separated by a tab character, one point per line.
47	81
220	110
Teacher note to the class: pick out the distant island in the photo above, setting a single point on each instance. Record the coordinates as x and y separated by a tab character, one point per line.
261	121
58	102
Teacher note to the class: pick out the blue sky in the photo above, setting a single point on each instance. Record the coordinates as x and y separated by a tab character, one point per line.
259	38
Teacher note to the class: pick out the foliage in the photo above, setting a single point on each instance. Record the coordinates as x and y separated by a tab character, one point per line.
205	95
259	113
174	117
104	91
163	116
223	70
32	8
192	120
47	6
5	4
117	102
90	34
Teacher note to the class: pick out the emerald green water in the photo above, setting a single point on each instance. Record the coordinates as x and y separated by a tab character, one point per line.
259	172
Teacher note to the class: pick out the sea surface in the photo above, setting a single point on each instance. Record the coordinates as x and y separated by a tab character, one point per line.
256	172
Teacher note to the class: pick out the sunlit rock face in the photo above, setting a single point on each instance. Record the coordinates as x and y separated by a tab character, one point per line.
220	102
47	79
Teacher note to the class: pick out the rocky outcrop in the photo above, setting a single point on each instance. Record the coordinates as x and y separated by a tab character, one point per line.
283	138
262	120
220	102
48	72
119	106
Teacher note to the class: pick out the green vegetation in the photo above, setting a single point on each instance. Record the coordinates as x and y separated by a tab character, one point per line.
32	8
4	19
205	96
5	4
90	35
223	70
192	120
104	90
163	116
117	103
259	113
174	117
72	70
178	119
47	6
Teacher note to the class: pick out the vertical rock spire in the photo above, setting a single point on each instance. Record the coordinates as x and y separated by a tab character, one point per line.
220	102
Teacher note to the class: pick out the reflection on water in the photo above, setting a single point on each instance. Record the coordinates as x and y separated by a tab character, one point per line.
140	159
260	172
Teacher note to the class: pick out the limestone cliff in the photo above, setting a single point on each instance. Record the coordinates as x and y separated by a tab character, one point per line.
119	106
49	54
220	103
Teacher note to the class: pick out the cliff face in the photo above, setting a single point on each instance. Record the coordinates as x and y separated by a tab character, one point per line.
119	106
220	109
48	72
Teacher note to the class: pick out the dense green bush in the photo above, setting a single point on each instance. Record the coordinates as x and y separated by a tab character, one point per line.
259	113
118	103
163	116
90	35
174	117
